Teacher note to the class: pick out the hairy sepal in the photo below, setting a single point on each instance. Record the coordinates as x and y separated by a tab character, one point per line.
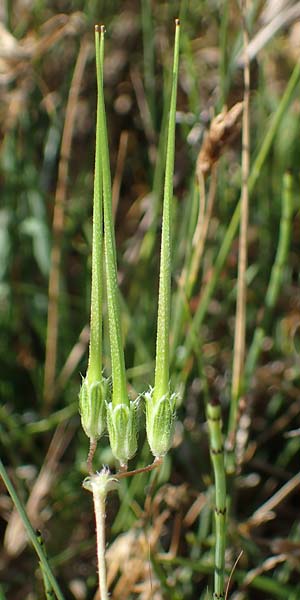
160	418
92	407
122	428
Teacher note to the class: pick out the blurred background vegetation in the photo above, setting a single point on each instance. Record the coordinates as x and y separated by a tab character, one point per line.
160	527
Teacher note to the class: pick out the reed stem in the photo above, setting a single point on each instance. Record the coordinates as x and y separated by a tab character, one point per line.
275	277
217	458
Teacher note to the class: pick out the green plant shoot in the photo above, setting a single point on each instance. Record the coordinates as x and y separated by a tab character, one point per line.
121	413
276	277
217	458
160	403
94	389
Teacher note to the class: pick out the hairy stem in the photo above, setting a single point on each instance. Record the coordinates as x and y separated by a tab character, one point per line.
99	507
99	485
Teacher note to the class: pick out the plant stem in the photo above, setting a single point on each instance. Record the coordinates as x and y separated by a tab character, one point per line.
148	47
99	507
217	457
47	586
99	485
192	335
163	321
148	242
155	465
200	235
58	228
30	531
181	308
276	275
240	320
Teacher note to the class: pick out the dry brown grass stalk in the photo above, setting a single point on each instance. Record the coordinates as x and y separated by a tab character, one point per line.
58	226
240	320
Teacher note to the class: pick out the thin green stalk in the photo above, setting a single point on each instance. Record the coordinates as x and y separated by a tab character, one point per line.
50	422
193	99
181	307
217	458
30	531
273	127
2	594
161	384
119	393
283	244
147	245
276	275
224	71
148	47
47	586
233	225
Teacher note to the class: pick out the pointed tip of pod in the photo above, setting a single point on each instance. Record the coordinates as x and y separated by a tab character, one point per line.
100	28
177	22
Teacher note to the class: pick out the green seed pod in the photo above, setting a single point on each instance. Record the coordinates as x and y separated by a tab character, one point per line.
160	417
92	407
122	428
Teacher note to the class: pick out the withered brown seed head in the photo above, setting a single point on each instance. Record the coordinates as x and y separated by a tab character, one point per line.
223	129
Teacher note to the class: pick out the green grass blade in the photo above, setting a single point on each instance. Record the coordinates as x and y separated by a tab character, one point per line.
47	585
233	225
276	275
30	531
149	56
